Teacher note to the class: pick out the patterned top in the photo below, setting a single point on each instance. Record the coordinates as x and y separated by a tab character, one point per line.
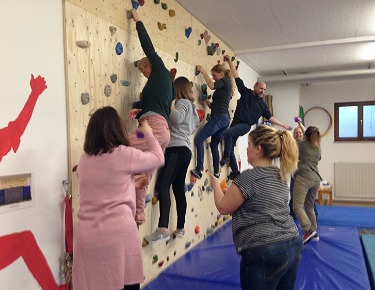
264	216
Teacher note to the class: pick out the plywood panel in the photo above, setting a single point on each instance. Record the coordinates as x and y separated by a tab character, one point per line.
88	70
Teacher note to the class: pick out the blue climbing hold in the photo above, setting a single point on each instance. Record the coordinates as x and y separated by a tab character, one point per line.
188	32
125	83
119	48
139	134
135	4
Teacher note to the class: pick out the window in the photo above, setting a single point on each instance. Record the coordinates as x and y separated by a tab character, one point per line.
355	121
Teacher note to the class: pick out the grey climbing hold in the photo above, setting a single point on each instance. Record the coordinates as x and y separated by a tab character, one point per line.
113	30
113	78
85	98
83	43
125	83
129	14
107	90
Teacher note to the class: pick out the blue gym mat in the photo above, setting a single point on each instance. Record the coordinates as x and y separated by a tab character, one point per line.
336	261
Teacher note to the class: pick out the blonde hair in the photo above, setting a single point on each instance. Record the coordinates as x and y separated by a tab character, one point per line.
313	136
183	89
219	68
143	61
277	144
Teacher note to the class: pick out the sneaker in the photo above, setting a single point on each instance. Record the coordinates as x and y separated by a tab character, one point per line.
158	236
316	238
224	160
217	175
179	233
234	175
197	173
309	236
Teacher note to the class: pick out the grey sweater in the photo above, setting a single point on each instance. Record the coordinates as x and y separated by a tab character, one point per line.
183	121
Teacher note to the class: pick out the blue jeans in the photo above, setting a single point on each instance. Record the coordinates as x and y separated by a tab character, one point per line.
215	128
272	266
230	138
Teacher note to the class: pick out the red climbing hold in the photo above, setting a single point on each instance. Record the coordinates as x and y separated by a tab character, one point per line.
173	73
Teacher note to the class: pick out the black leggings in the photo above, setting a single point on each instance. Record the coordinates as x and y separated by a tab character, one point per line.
132	287
177	160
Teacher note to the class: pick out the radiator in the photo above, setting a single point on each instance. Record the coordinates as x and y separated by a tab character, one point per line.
355	181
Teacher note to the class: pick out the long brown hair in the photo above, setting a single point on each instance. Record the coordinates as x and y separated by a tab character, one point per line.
183	89
105	131
313	136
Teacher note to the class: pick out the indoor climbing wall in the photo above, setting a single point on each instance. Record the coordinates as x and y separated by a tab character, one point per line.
101	47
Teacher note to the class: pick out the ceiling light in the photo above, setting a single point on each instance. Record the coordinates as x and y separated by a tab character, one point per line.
368	51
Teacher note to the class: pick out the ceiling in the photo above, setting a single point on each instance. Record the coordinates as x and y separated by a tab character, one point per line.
295	40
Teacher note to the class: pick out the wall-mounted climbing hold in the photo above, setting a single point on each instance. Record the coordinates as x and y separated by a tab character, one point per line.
176	58
201	114
208	117
210	50
223	52
162	26
210	230
113	30
199	42
173	72
192	193
135	4
129	14
155	199
157	1
83	43
119	48
233	58
140	135
125	83
113	78
107	90
141	2
155	258
197	229
197	72
206	37
190	186
161	263
148	198
172	13
144	243
187	245
164	6
188	31
136	63
206	181
85	98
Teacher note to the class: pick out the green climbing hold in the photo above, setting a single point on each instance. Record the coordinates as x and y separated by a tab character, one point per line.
164	6
155	258
157	1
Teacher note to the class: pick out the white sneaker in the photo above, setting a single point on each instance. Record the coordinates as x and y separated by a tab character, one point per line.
179	233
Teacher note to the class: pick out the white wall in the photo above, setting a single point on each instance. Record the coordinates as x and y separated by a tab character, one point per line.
325	94
32	43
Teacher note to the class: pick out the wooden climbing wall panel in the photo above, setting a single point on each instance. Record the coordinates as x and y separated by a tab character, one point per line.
89	71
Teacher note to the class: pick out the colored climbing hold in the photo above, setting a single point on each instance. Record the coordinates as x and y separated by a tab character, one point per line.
172	13
209	188
155	199
161	263
206	37
139	134
113	30
176	58
85	98
107	90
141	2
185	188
188	31
113	78
162	26
197	72
125	83
192	193
199	42
148	199
223	184
155	258
210	50
187	245
119	48
135	4
197	229
210	230
201	114
190	186
164	6
129	14
83	43
173	73
174	253
206	181
223	52
157	1
144	243
233	58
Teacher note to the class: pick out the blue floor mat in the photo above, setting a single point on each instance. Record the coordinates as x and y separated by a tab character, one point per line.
336	261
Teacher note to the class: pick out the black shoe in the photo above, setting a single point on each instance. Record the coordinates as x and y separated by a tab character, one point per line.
234	175
217	175
307	237
197	173
224	160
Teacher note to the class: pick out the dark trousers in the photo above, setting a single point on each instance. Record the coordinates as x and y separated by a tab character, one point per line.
132	287
177	160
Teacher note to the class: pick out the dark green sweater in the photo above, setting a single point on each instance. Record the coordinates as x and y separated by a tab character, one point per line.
159	91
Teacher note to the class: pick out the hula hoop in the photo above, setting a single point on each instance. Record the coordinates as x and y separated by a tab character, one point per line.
329	115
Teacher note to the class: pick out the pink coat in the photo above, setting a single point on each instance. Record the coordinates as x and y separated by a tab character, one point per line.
107	250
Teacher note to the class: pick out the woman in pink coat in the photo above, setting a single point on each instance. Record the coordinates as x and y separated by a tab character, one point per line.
107	252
